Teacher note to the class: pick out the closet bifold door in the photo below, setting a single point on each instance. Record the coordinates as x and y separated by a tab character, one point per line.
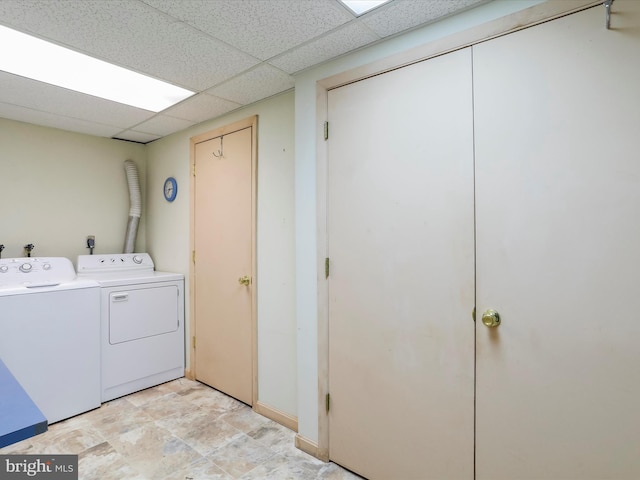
557	121
400	247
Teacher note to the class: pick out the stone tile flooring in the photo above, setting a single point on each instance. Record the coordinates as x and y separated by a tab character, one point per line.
180	430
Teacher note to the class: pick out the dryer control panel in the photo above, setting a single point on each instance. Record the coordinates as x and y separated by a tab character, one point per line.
116	262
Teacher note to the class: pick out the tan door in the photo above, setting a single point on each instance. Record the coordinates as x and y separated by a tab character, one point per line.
400	240
223	233
557	117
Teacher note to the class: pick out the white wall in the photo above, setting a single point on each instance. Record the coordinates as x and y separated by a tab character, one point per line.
169	243
57	187
307	131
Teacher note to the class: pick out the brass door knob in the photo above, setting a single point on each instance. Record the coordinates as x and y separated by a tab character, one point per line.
246	281
491	318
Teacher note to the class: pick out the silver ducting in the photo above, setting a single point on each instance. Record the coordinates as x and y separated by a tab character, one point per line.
135	209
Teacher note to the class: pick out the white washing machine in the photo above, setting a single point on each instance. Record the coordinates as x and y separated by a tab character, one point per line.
142	321
50	334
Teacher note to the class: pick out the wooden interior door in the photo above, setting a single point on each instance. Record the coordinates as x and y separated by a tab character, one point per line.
224	263
401	283
557	120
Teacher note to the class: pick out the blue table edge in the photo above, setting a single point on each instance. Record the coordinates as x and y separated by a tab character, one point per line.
20	418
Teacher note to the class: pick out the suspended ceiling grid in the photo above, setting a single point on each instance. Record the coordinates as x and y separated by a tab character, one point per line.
231	52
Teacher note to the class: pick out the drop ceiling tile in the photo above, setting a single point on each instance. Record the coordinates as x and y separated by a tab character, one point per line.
46	119
135	136
44	97
400	15
261	28
163	125
201	107
96	24
341	41
131	34
192	59
254	85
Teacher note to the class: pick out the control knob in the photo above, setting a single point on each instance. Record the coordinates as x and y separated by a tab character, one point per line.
137	259
46	266
26	267
4	269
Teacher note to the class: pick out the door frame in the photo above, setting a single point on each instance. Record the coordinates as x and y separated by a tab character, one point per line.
502	26
250	122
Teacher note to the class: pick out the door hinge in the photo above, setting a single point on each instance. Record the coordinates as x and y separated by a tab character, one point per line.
327	402
473	314
326	130
194	169
326	268
193	341
193	256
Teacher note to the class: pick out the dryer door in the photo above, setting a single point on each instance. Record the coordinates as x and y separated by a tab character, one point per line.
142	312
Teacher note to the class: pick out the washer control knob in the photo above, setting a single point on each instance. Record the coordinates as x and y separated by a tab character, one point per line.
137	259
4	269
26	267
46	266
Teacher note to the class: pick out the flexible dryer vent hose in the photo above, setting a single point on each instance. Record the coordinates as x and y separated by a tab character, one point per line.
135	210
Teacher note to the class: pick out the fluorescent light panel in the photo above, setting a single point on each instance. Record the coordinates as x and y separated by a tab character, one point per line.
40	60
360	7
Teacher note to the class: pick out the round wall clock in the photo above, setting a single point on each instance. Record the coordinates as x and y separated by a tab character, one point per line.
170	189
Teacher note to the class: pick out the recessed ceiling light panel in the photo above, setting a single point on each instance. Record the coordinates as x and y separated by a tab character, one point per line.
46	62
360	7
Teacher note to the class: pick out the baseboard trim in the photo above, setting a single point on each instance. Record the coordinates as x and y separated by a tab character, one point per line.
311	447
276	415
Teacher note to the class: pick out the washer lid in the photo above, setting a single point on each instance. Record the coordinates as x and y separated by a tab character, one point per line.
27	288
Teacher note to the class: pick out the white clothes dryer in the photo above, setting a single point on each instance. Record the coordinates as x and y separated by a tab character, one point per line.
50	334
142	321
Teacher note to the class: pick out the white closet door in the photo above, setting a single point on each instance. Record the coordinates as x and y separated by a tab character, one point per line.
400	237
557	123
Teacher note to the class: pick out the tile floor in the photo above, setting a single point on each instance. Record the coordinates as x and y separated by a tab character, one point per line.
179	430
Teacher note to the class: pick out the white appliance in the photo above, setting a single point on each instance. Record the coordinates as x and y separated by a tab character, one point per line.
142	321
50	334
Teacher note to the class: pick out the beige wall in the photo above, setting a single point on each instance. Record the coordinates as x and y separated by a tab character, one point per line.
57	187
168	239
